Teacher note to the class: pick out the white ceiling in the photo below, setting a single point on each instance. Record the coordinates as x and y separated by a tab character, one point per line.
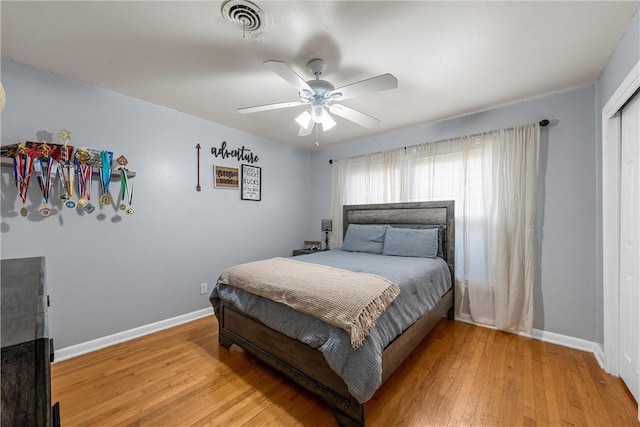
450	58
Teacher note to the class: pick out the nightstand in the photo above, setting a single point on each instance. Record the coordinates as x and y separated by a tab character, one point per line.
297	252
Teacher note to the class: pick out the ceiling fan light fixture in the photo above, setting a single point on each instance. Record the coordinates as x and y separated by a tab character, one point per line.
328	123
318	114
304	119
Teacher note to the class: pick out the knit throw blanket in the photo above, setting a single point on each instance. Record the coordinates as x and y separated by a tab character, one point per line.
350	301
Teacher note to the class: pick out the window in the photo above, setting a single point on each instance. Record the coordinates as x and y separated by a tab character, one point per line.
492	179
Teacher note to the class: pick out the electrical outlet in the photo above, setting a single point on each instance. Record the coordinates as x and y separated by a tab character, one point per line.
203	288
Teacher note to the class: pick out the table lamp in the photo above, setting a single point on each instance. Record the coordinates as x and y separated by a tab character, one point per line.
326	227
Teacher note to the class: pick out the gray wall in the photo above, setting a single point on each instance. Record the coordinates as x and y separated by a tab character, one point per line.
625	56
104	276
565	297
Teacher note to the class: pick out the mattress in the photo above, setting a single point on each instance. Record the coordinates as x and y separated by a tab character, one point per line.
422	282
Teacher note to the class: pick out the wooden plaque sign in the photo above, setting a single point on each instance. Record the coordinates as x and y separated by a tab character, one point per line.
224	177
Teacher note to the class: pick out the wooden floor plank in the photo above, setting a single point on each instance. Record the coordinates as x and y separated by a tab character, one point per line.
460	375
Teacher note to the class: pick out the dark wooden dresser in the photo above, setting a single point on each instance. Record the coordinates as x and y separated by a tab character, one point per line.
27	351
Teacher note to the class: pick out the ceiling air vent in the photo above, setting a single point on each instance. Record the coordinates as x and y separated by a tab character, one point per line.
244	14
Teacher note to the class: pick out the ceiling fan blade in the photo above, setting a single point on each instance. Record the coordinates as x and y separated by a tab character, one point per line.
353	115
290	76
363	87
266	107
306	131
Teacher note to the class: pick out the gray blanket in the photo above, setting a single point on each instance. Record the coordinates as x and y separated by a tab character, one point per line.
422	282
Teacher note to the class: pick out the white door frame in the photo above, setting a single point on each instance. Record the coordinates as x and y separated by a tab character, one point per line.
611	215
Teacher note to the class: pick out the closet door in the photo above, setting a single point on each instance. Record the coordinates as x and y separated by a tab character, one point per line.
629	342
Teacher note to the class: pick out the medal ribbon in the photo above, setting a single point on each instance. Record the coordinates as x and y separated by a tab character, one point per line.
84	180
105	172
67	177
22	168
123	183
130	189
46	177
126	187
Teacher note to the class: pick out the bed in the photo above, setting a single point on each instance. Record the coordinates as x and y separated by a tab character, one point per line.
249	324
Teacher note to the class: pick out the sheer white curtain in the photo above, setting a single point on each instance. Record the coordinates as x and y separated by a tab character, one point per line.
492	178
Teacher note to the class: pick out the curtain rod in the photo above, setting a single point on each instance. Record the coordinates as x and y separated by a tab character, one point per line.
543	123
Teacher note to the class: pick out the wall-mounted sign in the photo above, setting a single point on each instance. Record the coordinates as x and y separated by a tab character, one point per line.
241	154
251	183
224	177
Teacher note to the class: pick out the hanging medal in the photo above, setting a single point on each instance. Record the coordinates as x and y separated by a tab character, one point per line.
126	189
89	208
129	210
105	178
46	176
67	178
85	173
22	168
63	183
67	171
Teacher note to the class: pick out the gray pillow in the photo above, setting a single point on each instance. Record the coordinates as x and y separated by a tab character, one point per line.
364	238
411	242
442	229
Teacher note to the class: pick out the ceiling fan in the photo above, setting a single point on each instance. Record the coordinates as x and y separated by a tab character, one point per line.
320	96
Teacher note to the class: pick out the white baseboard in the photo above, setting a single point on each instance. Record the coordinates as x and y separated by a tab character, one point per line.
99	343
550	337
563	340
598	352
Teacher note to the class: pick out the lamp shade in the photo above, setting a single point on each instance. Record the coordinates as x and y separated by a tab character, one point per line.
318	114
328	123
304	119
3	96
327	225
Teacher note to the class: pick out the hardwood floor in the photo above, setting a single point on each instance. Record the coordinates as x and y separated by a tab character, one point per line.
461	375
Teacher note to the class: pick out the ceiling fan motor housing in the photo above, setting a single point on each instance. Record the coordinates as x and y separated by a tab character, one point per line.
321	89
317	66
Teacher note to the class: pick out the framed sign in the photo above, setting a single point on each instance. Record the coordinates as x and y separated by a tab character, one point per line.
251	183
224	177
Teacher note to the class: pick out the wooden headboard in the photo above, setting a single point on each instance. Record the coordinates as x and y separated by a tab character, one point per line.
408	214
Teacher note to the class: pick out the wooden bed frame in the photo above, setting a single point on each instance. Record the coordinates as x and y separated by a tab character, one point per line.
306	365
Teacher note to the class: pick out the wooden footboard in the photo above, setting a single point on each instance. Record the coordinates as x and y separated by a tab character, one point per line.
307	366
